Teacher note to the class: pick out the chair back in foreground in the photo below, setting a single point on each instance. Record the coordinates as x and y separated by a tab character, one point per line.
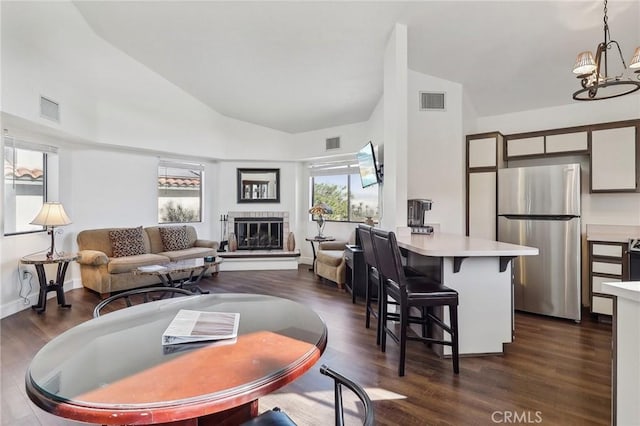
339	381
277	417
139	296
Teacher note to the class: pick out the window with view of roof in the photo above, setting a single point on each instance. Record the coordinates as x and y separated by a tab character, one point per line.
179	192
24	187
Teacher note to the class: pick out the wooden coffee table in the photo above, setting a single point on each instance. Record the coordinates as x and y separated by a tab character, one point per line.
196	268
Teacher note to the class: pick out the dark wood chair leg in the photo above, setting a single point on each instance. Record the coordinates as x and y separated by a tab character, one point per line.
453	319
367	301
382	317
404	313
425	318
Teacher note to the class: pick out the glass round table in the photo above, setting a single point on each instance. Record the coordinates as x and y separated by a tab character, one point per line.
115	370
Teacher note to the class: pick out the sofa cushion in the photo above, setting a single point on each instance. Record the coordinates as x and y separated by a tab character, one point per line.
174	238
190	253
330	257
127	241
121	265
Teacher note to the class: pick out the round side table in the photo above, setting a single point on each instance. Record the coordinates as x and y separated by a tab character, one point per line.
39	260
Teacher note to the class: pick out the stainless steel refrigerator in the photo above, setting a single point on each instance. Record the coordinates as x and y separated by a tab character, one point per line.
540	207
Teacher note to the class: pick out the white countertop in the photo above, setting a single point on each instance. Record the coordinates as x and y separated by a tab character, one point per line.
451	245
612	233
628	290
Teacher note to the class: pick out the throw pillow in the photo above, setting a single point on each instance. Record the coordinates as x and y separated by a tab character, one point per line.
127	242
174	238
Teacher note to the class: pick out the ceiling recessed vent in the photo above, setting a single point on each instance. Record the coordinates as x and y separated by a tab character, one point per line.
49	109
430	101
333	143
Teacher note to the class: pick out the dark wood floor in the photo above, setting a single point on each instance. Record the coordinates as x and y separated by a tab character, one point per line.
556	372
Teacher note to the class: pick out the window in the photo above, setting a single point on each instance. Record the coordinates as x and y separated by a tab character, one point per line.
25	185
179	192
340	188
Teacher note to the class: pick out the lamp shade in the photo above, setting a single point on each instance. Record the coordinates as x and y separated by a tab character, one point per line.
585	64
51	214
320	209
635	60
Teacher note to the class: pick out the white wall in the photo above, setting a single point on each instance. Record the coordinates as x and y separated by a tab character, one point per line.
108	98
107	102
311	145
436	160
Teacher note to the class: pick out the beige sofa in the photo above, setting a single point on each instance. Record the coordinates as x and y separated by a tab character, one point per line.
330	263
104	273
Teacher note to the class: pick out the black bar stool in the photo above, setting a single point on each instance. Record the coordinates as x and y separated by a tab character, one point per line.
371	279
418	291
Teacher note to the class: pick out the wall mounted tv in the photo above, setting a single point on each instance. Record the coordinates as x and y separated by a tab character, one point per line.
370	173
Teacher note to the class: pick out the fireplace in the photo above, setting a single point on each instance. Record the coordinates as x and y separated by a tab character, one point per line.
259	233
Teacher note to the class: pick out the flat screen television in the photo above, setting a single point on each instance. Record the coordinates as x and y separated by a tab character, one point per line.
369	172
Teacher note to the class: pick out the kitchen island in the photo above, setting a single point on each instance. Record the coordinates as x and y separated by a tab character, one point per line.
480	271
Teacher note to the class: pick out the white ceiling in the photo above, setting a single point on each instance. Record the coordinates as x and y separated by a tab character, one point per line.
299	66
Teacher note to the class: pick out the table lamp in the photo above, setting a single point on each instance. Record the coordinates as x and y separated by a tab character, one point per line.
51	214
319	210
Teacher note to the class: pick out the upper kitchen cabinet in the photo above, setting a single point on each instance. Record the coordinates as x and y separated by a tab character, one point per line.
547	143
484	157
614	159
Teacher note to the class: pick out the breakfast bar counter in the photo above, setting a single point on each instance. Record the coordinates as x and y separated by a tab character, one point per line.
480	271
626	352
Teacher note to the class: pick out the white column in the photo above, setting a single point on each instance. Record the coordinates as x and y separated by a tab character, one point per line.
394	191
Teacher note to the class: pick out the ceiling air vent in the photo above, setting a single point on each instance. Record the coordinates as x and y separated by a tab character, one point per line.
333	143
430	101
49	109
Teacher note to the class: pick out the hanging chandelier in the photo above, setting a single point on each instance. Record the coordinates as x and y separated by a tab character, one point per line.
594	74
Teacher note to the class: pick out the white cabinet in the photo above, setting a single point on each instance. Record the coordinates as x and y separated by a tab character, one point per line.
567	142
482	205
525	146
606	264
482	152
614	159
547	143
484	157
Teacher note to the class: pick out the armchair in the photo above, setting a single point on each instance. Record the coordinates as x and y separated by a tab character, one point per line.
330	262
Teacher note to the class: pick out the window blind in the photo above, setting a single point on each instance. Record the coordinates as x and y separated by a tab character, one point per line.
339	167
181	164
31	146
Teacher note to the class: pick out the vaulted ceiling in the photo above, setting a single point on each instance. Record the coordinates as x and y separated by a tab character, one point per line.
299	66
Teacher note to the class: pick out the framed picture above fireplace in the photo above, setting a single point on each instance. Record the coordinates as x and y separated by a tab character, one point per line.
258	185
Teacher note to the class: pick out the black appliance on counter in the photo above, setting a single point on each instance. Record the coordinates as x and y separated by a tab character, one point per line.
416	210
634	260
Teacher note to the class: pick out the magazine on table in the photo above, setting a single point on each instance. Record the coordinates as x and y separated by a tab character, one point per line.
151	268
198	326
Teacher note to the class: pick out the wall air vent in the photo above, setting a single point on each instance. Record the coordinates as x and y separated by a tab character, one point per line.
333	143
430	101
49	109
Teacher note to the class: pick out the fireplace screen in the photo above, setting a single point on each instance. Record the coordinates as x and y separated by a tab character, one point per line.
259	233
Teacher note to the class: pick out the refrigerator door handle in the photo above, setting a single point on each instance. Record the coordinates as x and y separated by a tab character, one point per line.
537	217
